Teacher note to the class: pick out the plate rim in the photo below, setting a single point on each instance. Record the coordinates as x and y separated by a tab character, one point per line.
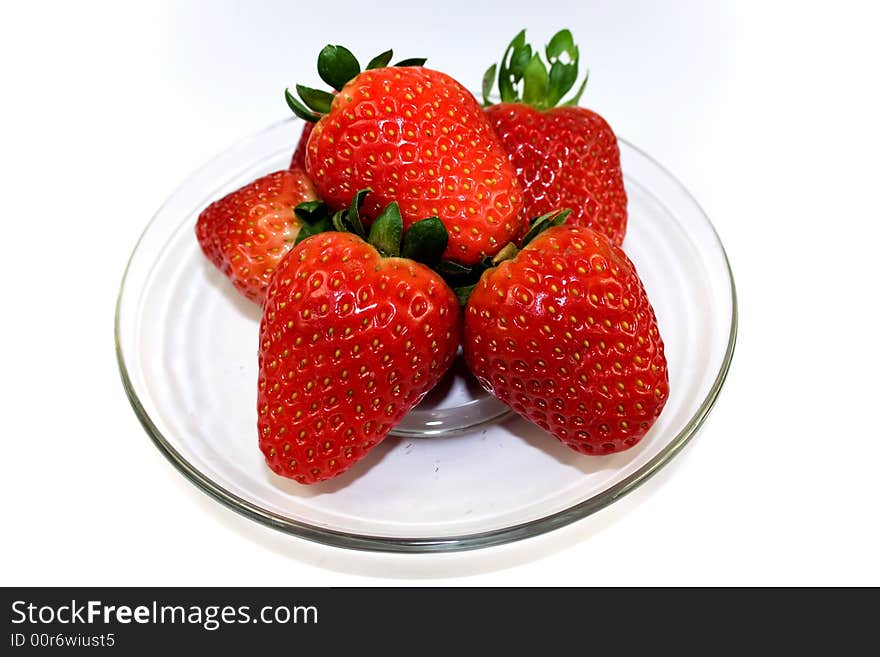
368	542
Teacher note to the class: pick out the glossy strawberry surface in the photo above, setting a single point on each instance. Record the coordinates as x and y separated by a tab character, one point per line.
565	334
416	136
349	342
247	233
565	157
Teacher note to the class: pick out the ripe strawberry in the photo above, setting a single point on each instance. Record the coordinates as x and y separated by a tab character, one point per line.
565	335
350	341
247	233
416	136
298	161
565	157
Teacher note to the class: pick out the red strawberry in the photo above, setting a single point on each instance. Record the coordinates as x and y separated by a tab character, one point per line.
565	157
247	233
565	335
416	136
350	341
298	161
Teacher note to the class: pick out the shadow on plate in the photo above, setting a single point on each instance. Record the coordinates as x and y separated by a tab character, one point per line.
435	566
541	440
359	469
442	565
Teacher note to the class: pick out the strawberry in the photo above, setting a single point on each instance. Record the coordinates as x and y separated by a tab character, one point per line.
565	157
298	161
565	335
416	136
247	233
350	341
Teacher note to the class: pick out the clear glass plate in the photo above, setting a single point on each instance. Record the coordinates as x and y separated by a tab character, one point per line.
186	343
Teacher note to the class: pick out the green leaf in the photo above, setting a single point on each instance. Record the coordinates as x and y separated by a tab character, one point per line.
488	82
339	221
457	275
464	293
316	100
560	218
304	232
381	60
520	61
298	108
337	65
535	82
545	221
505	84
563	75
413	61
425	241
354	212
486	262
534	230
386	231
524	77
307	230
562	42
574	100
562	79
452	268
314	217
308	212
507	252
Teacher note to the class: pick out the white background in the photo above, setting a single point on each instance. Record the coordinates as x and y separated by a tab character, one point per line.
766	111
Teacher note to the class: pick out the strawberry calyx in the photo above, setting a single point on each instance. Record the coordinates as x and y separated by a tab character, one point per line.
523	77
539	224
337	66
424	242
463	279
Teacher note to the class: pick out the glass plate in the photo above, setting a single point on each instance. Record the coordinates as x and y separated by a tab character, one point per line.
186	343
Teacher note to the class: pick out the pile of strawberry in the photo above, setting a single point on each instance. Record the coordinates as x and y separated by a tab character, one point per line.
412	220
